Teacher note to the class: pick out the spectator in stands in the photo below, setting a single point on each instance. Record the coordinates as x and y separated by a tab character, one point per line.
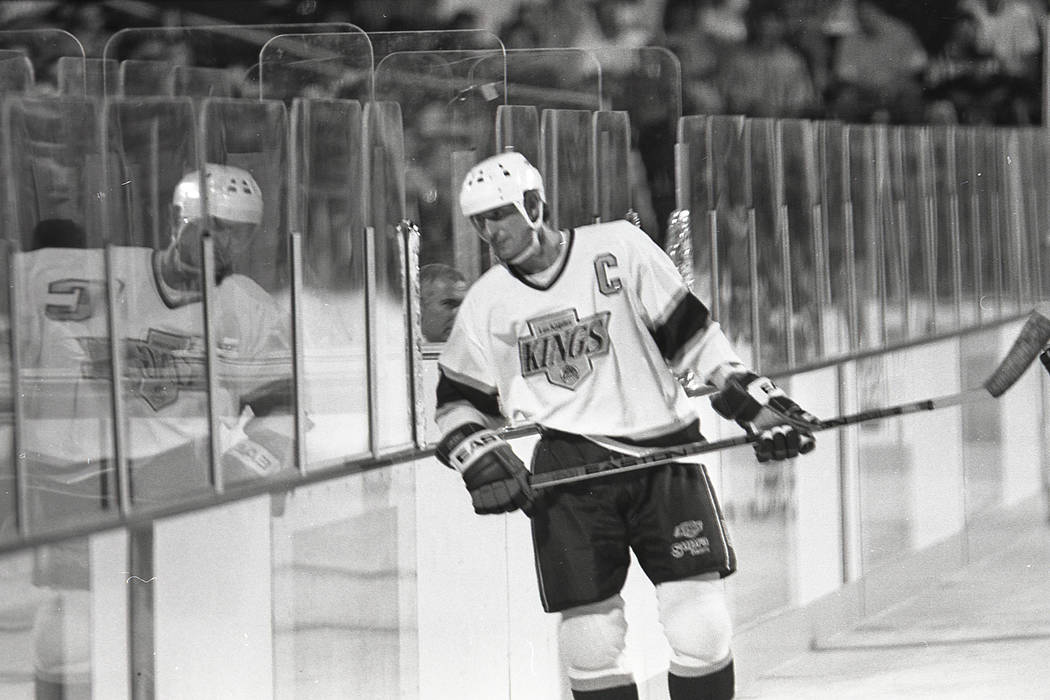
520	32
519	35
1008	31
89	25
805	31
684	36
613	24
767	78
441	291
877	70
724	20
961	82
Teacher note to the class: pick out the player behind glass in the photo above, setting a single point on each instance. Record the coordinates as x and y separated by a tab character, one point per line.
65	365
582	332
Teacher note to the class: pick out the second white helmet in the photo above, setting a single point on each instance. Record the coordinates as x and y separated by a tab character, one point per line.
232	193
500	180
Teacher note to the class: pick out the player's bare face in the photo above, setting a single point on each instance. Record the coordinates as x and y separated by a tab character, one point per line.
505	229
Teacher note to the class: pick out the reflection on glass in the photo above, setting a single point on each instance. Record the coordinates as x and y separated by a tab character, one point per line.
758	503
344	588
884	467
8	483
771	284
982	436
329	211
45	623
255	398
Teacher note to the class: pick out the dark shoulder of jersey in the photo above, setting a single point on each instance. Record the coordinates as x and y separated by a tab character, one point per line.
683	316
451	391
685	323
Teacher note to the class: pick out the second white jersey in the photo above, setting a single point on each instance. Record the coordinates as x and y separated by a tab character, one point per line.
65	364
583	354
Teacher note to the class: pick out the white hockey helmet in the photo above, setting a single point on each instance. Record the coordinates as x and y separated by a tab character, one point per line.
504	179
233	194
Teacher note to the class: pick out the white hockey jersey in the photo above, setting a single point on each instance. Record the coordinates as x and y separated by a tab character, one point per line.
64	354
589	353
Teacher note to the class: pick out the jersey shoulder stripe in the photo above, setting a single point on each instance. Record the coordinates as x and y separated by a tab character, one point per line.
676	333
452	388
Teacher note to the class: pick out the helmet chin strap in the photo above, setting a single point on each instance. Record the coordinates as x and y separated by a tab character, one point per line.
535	243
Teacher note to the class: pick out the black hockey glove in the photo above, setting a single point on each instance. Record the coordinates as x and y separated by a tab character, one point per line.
782	429
497	480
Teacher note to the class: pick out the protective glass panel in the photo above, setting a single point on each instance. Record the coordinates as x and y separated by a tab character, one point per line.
344	587
970	212
759	507
1033	151
988	227
316	66
53	178
983	430
1015	255
840	319
893	236
556	78
613	192
694	228
735	216
646	83
21	602
329	212
60	323
947	241
806	270
884	525
771	305
567	159
31	60
328	77
391	406
905	506
249	309
86	76
159	319
449	86
9	478
911	167
868	224
197	61
153	139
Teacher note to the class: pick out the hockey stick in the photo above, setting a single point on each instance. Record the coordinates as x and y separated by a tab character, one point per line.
1030	343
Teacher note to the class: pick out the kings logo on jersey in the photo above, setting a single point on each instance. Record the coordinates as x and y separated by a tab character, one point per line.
561	345
155	368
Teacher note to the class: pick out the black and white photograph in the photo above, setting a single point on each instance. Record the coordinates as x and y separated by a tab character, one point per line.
525	350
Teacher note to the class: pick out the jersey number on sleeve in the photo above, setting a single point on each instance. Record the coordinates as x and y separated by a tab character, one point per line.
72	299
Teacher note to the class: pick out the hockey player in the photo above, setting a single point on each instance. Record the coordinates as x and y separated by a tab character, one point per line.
65	366
582	332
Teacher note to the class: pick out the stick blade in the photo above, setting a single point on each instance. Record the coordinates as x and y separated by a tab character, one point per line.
1034	336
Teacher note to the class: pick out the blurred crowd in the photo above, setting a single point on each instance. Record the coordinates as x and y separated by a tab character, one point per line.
939	61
